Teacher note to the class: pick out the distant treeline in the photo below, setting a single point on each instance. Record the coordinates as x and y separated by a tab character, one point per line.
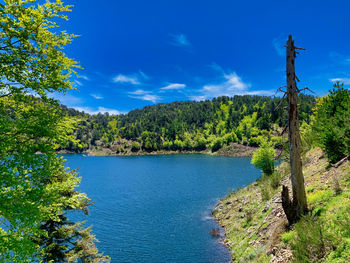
188	125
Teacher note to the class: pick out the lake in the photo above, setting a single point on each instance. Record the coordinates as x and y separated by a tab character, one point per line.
158	208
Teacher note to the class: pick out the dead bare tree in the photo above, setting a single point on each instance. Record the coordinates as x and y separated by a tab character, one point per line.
296	207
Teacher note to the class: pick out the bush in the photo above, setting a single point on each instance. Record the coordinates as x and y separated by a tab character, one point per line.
263	158
331	123
167	145
336	186
200	144
310	245
135	146
275	180
323	239
265	193
178	145
229	137
216	145
148	146
288	237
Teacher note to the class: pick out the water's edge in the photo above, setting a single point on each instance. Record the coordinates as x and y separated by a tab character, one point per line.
232	150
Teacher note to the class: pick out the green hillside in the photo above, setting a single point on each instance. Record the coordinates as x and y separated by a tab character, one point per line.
187	126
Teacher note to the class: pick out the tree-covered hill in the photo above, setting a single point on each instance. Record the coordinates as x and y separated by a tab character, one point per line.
187	125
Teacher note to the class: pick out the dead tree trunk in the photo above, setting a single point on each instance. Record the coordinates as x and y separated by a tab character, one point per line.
296	207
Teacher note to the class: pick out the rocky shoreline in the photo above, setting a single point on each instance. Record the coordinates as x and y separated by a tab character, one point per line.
233	150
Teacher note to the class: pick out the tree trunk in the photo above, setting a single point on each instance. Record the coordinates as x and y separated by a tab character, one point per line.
297	207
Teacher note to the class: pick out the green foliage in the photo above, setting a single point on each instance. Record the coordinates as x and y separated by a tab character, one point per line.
178	145
167	145
230	137
264	158
148	141
275	180
135	146
241	119
327	238
216	144
32	47
36	188
200	143
288	237
264	192
311	245
331	125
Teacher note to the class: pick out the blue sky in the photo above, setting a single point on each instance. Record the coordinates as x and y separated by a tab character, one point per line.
137	53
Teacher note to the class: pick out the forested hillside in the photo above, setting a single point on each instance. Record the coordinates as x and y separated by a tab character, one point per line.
188	125
257	229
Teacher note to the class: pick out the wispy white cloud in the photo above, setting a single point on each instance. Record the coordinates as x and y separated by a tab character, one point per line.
230	84
147	97
126	79
78	83
338	58
84	77
179	40
346	81
198	98
134	79
216	67
174	86
278	43
259	92
144	75
98	97
139	92
99	110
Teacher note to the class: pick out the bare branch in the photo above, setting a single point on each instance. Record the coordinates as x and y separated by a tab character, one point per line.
306	88
282	100
284	130
340	162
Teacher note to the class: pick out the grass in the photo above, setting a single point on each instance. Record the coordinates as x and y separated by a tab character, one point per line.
254	226
287	237
327	238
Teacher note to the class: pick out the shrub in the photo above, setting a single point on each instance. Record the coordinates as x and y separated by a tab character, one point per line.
200	144
288	237
178	145
227	139
310	245
331	123
256	141
167	145
275	180
148	146
135	146
336	186
216	145
265	193
263	158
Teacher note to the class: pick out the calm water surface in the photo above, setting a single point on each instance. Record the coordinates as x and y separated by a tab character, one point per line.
158	208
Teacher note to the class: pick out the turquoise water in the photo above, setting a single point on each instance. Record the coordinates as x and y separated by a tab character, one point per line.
158	208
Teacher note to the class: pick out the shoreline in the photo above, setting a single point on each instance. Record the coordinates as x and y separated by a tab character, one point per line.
233	150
